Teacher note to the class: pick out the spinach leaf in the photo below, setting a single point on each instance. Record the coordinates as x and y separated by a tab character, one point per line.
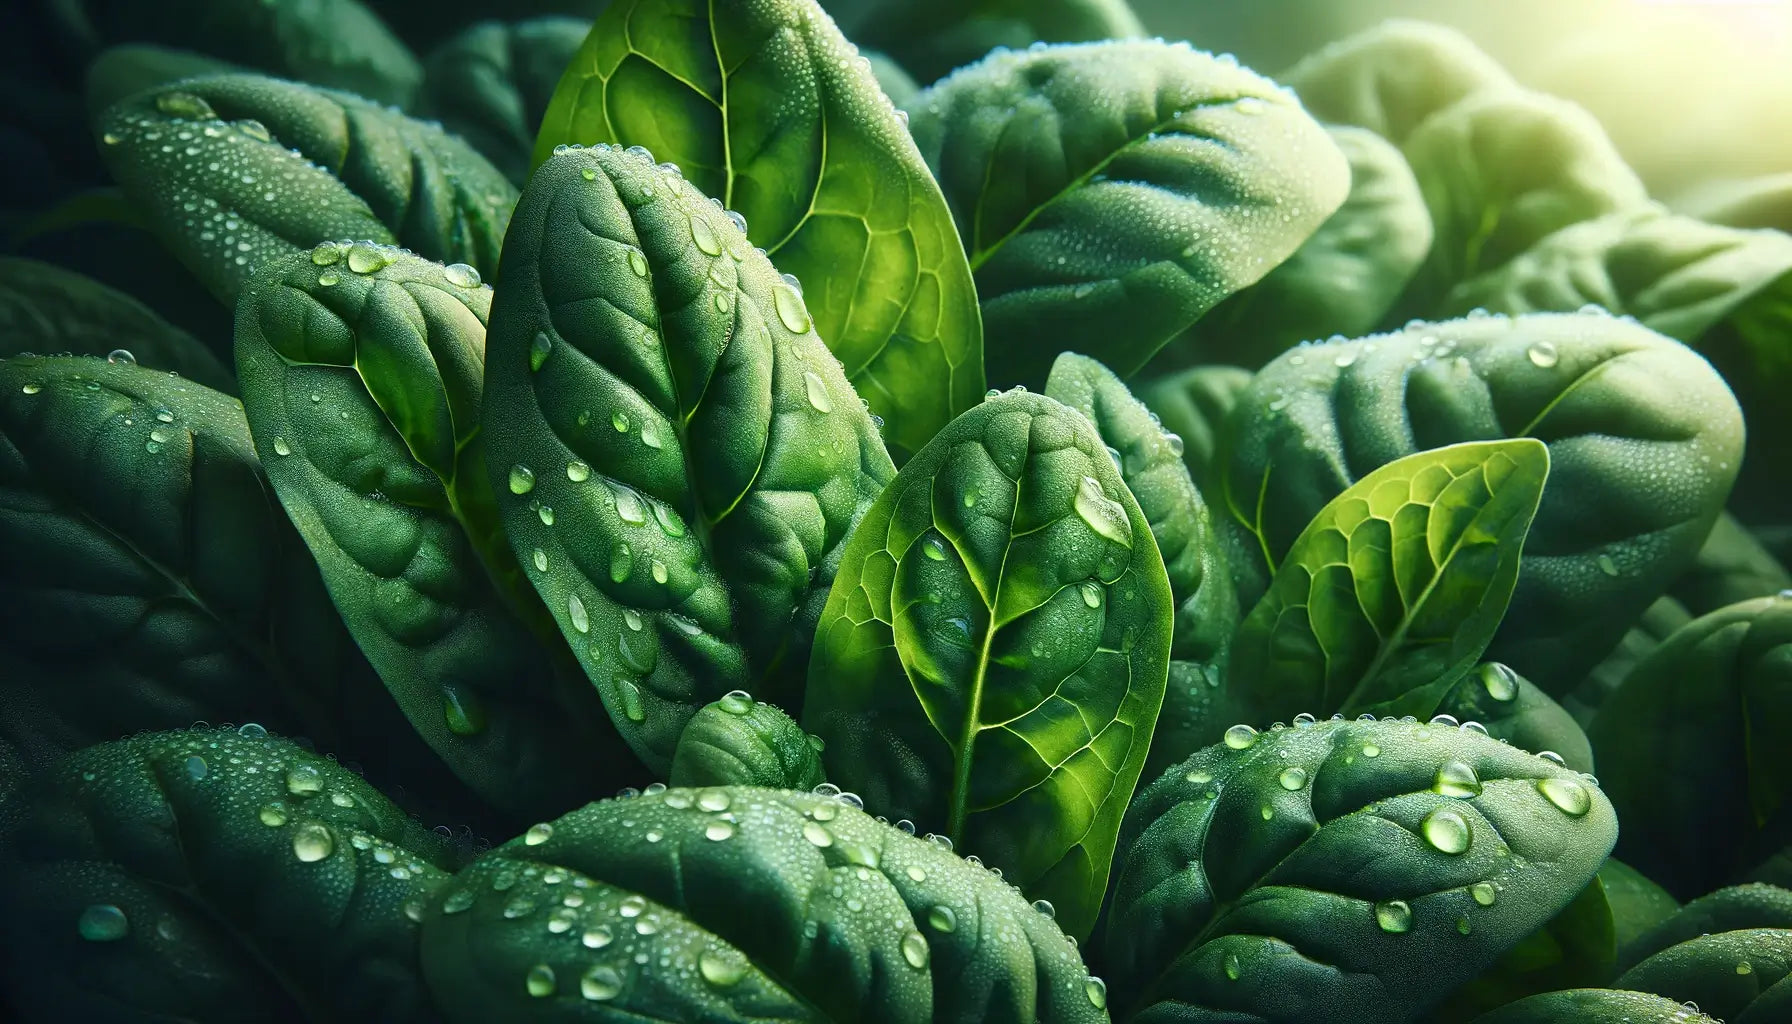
1359	869
121	72
931	37
1200	583
766	107
679	456
1763	202
1392	77
1732	566
1649	631
1737	907
1340	282
738	741
1639	428
1737	976
214	874
296	166
1577	948
1687	745
1194	404
895	82
992	658
1595	1006
1394	589
361	372
44	308
738	904
1140	184
491	85
1639	909
1511	708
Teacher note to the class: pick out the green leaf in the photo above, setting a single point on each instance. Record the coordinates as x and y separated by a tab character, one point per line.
1341	281
1624	411
1649	631
491	85
931	37
1577	948
895	82
1321	866
680	457
1639	907
1595	1006
1763	202
45	308
1735	908
763	106
1200	583
1732	566
296	166
150	580
1737	976
338	44
213	874
121	72
738	741
1725	292
361	373
1392	77
1394	589
1690	745
744	905
992	658
1194	404
1511	708
1500	171
1140	184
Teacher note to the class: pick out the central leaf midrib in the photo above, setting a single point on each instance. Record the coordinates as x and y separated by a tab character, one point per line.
961	769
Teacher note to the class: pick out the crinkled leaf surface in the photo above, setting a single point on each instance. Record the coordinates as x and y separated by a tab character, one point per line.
737	905
1577	948
1595	1006
1392	77
1644	441
1324	872
1193	404
1691	745
361	370
491	85
295	166
678	455
992	658
1394	589
1114	192
45	308
1511	708
765	107
1734	908
1341	281
931	37
1200	582
738	741
217	875
1737	976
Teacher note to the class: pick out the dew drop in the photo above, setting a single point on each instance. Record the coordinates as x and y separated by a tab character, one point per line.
1091	595
1484	893
196	768
522	479
273	815
539	349
1447	830
1233	967
461	276
575	610
601	983
1500	681
1293	778
1393	916
1568	796
103	922
1457	779
789	304
718	830
577	471
721	968
538	833
1240	737
915	950
304	780
705	236
817	391
540	981
942	918
312	842
1096	991
1542	354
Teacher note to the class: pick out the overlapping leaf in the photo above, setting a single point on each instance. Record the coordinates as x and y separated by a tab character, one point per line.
738	741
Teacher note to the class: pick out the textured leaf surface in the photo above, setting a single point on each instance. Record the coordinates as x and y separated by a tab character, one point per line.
1193	404
1639	907
1763	202
679	456
1644	442
1321	872
738	741
1735	908
1394	589
1200	582
764	106
1690	744
1511	708
1737	976
121	72
931	37
236	171
738	905
1392	77
213	875
992	658
1139	185
491	85
45	309
1595	1006
361	370
1577	948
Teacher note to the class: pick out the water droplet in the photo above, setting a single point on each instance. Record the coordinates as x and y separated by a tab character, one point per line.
719	830
915	950
1606	565
578	472
103	922
538	833
575	610
1542	354
1393	916
121	357
1091	595
1292	778
461	276
601	983
1457	779
540	559
1569	797
539	349
304	780
186	106
540	981
705	236
522	479
817	835
716	800
789	304
619	420
632	708
942	918
1102	514
1371	750
637	262
312	842
1552	757
273	815
281	448
722	968
463	712
1096	991
164	416
736	702
365	258
1484	893
31	389
1744	967
1500	681
915	873
817	391
1240	737
458	901
1045	907
196	768
934	549
621	563
1447	830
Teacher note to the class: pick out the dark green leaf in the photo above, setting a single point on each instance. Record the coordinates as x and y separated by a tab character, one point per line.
1649	631
1392	77
1394	589
1732	566
763	106
1322	869
1140	183
1206	605
44	308
1511	708
1577	948
738	741
213	875
1639	907
491	85
1691	745
1194	404
1639	428
680	457
361	373
744	905
931	37
1595	1006
295	166
1737	976
124	71
1738	907
992	658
